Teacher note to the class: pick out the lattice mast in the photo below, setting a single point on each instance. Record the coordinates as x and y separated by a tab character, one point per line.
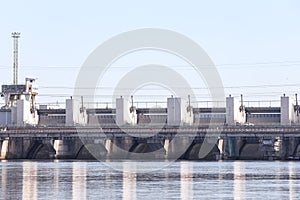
15	36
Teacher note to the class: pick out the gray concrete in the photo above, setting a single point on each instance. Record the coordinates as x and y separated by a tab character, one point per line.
287	111
198	143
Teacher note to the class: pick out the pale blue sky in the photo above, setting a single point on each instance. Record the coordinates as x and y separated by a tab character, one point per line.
56	35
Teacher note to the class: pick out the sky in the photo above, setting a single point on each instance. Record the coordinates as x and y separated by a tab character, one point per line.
255	45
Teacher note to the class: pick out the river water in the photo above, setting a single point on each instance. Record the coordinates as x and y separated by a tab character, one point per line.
135	180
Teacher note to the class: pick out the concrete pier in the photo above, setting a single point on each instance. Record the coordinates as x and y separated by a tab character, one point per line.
190	143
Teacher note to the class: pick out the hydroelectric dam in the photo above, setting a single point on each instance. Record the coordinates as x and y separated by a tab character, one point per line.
178	131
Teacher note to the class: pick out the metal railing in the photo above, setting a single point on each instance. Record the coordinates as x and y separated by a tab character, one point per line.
262	103
162	104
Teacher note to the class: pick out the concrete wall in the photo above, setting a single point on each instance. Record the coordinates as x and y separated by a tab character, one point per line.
101	119
264	119
13	115
52	120
209	118
152	118
5	117
21	112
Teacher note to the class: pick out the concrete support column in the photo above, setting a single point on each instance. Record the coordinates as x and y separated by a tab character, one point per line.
108	147
231	148
63	149
287	111
125	114
284	148
75	113
292	146
176	147
4	149
179	112
234	114
12	148
119	148
221	148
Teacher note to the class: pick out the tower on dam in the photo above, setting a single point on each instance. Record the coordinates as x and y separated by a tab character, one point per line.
19	107
15	36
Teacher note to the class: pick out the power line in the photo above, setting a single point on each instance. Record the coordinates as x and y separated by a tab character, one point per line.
231	65
159	88
197	95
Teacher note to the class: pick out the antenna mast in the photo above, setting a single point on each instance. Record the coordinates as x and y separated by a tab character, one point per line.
15	36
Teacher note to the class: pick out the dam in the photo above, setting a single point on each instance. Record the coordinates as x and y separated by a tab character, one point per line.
179	131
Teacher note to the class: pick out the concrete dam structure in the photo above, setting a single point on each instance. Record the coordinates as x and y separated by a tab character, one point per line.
178	131
189	142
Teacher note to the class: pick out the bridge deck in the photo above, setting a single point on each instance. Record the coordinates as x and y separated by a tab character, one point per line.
165	132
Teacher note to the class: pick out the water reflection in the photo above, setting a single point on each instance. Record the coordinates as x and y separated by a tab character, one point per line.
186	180
292	182
4	181
29	180
79	181
56	182
183	180
8	181
239	180
129	180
